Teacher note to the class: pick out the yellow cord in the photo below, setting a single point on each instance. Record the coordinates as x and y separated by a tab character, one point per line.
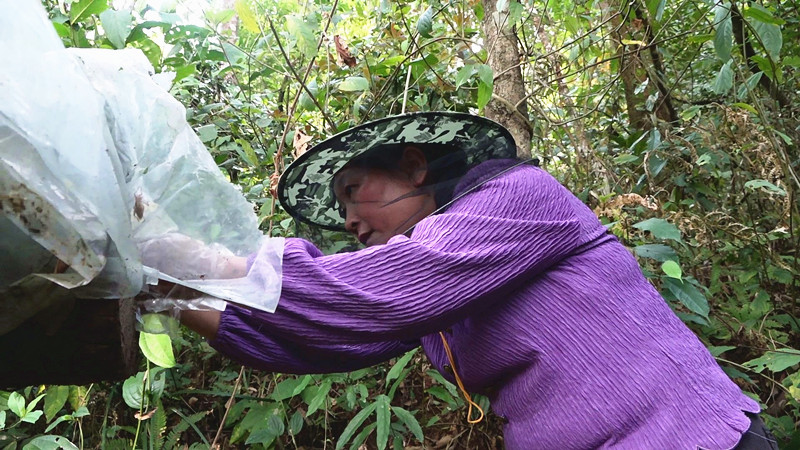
471	403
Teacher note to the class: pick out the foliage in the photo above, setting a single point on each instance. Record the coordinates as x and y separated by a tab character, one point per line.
677	122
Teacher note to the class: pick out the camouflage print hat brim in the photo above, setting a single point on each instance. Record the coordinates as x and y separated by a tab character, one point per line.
305	188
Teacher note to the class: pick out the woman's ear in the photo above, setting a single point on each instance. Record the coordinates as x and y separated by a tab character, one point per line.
415	165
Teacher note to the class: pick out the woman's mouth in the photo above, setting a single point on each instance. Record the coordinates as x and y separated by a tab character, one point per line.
364	237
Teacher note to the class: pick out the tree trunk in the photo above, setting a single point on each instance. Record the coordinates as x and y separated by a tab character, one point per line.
507	106
74	342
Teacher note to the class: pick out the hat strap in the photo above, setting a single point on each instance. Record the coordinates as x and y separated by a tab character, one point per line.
461	385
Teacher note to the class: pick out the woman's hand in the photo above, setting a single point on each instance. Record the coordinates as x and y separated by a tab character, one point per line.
186	258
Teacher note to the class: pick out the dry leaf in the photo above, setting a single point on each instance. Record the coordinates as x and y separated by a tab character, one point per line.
273	184
300	143
146	415
343	52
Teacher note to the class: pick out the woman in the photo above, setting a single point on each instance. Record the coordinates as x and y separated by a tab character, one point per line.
544	310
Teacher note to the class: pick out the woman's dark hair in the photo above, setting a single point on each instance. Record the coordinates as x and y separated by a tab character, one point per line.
445	163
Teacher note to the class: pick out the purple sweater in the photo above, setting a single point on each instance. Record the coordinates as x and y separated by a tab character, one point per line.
546	313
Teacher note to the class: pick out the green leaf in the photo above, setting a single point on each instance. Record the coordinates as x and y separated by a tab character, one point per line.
688	295
84	8
656	8
410	422
354	424
776	361
792	61
718	350
132	391
32	416
425	23
290	387
654	141
2	419
723	34
246	15
766	185
770	36
353	84
383	420
54	400
660	228
625	158
207	133
16	403
398	367
746	107
296	423
485	85
464	74
320	396
724	81
303	34
117	25
659	252
672	269
761	14
50	442
157	348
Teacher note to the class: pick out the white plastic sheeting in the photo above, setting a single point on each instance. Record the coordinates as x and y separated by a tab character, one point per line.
95	156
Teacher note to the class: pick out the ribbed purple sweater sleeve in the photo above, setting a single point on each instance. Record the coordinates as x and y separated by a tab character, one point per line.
376	302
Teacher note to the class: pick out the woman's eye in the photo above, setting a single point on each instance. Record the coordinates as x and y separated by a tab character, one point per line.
348	190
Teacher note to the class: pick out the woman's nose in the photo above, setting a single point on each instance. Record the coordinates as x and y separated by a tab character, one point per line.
351	221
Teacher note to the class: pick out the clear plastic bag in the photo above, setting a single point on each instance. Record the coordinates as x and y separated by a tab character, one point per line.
96	156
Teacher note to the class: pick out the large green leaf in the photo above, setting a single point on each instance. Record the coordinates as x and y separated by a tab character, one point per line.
157	348
688	295
246	15
383	421
290	387
50	442
776	361
117	25
16	403
409	421
84	8
769	33
398	366
724	80
723	34
425	23
354	425
54	400
660	228
303	35
353	84
659	252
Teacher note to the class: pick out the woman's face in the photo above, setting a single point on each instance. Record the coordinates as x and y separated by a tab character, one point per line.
380	204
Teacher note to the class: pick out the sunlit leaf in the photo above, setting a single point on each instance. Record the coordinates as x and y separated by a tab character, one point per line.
485	85
672	269
84	8
768	33
55	399
766	185
656	8
117	25
353	84
246	15
157	348
303	35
